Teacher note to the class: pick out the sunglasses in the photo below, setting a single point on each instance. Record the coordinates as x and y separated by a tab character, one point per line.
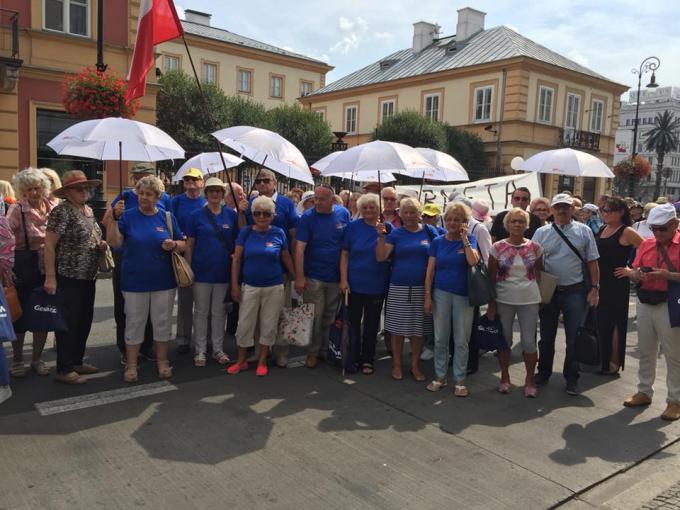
521	199
80	188
517	222
665	228
264	214
264	180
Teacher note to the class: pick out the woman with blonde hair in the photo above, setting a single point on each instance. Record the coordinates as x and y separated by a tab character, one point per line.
55	183
404	317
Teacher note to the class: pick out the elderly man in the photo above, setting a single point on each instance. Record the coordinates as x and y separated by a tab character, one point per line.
390	206
521	198
238	191
182	206
569	250
317	263
656	267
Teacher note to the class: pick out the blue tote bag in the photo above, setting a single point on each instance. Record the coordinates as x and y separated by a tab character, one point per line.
6	328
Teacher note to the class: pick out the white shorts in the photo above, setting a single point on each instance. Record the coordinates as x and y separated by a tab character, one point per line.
138	305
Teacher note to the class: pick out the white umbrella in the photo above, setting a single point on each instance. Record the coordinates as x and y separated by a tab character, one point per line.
566	162
208	163
447	168
353	176
268	149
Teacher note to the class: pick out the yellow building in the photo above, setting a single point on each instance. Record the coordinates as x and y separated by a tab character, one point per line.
240	65
518	96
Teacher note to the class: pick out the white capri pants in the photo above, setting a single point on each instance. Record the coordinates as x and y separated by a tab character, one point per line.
209	301
138	306
527	315
259	305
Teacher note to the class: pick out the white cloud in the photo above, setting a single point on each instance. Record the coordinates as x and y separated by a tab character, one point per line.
180	11
578	57
352	32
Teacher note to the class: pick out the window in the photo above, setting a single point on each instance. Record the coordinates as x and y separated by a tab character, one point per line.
351	119
596	113
386	109
209	73
482	104
245	80
545	104
627	122
573	110
170	63
321	114
68	16
306	88
276	86
431	106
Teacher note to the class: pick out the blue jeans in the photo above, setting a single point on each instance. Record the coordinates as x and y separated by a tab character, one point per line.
573	305
451	310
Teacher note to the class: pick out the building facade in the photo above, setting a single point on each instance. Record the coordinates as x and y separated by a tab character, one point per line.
652	102
518	96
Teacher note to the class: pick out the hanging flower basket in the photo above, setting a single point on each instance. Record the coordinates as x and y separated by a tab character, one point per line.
637	169
91	94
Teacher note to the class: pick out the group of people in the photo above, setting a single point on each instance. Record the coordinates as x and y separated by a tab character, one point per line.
400	265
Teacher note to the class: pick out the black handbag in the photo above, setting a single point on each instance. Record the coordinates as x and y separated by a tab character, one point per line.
587	339
26	262
480	289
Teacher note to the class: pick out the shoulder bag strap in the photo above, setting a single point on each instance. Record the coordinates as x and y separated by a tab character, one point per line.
23	223
168	221
218	232
428	231
566	240
667	260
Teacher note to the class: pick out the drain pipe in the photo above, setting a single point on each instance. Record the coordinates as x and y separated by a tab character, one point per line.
500	122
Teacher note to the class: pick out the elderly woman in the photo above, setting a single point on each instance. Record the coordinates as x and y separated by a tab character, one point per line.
306	202
353	207
73	244
409	245
148	235
513	266
447	269
211	231
28	221
364	278
260	249
540	207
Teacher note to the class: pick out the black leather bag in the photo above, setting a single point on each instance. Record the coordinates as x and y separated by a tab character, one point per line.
480	289
587	339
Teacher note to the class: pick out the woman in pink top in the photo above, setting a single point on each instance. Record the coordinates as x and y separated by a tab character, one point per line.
28	221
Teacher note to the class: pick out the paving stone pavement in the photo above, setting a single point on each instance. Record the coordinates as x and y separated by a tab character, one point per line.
668	499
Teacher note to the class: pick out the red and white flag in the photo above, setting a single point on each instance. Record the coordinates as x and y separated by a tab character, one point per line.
158	22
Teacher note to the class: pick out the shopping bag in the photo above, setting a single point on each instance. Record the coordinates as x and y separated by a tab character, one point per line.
296	325
480	289
489	334
6	328
339	340
43	312
587	340
673	297
547	283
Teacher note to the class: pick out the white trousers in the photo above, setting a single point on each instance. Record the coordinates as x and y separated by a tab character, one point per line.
259	306
209	301
654	328
138	307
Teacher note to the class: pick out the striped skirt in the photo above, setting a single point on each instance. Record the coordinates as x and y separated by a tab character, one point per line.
404	315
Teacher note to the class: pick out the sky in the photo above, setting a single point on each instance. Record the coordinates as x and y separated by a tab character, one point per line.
609	37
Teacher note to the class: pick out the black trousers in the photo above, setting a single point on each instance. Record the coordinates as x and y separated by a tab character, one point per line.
119	311
368	306
77	308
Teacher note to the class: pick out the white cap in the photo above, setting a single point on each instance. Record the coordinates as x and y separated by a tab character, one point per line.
661	215
561	198
590	207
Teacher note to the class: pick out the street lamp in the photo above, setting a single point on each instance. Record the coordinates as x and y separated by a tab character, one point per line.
648	64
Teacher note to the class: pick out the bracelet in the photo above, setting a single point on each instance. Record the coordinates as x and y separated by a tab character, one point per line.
467	245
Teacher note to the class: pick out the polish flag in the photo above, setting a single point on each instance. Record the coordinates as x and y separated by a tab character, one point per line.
158	22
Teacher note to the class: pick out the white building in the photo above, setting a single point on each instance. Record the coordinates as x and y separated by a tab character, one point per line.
652	101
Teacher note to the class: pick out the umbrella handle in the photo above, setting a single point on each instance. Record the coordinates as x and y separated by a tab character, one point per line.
382	218
346	293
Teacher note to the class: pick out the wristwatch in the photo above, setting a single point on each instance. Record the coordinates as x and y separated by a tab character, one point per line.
596	286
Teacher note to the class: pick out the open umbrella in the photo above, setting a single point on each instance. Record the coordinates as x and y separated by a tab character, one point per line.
115	138
208	163
365	176
268	149
566	162
446	167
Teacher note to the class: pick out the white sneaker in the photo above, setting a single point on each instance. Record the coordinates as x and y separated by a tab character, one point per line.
5	393
427	354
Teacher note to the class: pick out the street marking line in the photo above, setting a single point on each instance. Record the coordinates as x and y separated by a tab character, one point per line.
65	405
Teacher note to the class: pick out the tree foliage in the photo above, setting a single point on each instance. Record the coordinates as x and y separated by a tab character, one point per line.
303	128
468	149
662	139
411	128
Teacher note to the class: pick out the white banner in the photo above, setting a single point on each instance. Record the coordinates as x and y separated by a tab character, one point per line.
496	191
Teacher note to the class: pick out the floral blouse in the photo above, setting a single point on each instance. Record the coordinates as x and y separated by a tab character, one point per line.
35	225
516	278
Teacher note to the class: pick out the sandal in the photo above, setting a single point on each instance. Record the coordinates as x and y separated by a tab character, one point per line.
164	369
504	387
220	357
419	377
235	368
396	374
261	370
18	369
70	378
199	359
85	369
530	391
367	368
39	367
130	374
436	385
459	390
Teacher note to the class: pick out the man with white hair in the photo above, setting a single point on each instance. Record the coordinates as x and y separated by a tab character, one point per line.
390	204
657	268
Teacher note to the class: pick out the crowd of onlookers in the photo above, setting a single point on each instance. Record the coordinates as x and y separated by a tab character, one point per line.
402	268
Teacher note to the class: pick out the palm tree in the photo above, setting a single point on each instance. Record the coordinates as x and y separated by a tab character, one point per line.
662	139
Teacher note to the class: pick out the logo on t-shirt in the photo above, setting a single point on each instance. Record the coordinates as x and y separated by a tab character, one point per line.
338	226
269	244
225	226
461	251
425	242
160	229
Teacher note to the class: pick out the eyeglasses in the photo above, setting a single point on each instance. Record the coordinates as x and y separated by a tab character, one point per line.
264	214
80	188
521	199
264	180
660	229
516	222
389	199
541	209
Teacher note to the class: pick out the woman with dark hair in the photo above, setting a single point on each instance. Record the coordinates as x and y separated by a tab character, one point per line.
614	242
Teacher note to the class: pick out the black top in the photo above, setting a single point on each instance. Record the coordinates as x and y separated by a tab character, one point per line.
498	231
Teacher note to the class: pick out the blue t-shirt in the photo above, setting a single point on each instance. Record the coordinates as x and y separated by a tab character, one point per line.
132	200
182	206
410	253
323	235
365	274
146	266
451	267
262	256
210	259
286	216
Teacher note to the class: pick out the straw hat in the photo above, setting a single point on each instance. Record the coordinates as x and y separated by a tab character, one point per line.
214	182
75	178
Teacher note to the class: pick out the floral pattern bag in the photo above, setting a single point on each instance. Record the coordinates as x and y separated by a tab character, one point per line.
296	325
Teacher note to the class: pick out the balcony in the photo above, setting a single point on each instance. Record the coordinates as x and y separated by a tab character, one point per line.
9	49
579	139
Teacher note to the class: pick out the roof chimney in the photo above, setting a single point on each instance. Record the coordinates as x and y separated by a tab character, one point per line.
202	18
423	34
470	21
